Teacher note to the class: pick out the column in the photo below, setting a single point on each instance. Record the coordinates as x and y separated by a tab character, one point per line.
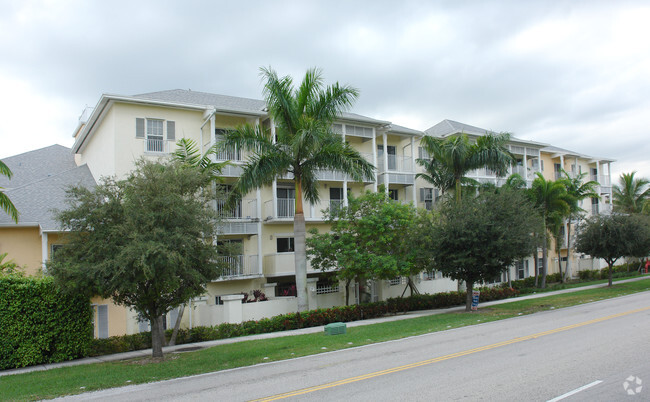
258	195
384	138
233	308
311	293
414	190
345	178
274	185
374	158
44	251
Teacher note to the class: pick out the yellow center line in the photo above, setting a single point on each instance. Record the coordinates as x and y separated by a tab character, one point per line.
442	358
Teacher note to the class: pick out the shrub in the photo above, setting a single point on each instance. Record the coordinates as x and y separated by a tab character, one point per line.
312	318
40	324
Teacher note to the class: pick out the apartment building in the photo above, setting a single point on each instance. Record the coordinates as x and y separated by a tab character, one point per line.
120	130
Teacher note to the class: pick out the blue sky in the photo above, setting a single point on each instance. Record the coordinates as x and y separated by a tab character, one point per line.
572	74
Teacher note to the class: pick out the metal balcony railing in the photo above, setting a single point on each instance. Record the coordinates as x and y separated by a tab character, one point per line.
244	209
155	144
238	266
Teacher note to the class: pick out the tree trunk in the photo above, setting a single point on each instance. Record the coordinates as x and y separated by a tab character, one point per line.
156	337
610	265
468	298
544	264
567	276
536	265
347	292
177	325
300	251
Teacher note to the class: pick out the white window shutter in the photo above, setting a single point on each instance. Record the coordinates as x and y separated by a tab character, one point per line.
139	127
171	131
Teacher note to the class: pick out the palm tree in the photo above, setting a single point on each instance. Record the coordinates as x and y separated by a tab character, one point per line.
5	202
455	156
304	144
576	192
550	197
187	152
631	194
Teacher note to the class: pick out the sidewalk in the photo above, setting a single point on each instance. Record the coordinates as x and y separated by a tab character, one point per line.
311	330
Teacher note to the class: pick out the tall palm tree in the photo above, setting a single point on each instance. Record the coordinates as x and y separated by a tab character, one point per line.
304	144
456	156
550	197
5	202
577	190
631	194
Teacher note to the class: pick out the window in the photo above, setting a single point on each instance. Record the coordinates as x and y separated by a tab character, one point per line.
426	196
393	194
428	276
391	150
54	248
423	154
558	170
153	132
285	245
594	206
336	198
522	269
286	202
100	320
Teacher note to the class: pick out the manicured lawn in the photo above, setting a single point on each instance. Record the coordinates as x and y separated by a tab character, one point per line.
77	379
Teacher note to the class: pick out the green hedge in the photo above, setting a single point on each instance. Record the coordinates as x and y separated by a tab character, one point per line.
39	324
312	318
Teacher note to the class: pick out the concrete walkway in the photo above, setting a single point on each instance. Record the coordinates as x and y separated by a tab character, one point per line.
311	330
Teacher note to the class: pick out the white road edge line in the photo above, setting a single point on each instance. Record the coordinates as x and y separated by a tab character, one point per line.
575	391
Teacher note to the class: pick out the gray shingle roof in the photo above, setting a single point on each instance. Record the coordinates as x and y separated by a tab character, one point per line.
206	99
44	175
448	127
35	165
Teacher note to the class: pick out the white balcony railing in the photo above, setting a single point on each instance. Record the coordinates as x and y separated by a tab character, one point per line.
604	180
245	209
286	208
238	266
154	144
280	264
229	155
396	163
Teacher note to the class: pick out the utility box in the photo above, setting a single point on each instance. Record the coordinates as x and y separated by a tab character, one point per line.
335	328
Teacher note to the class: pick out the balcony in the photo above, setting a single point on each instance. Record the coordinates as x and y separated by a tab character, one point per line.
281	264
238	267
246	209
395	164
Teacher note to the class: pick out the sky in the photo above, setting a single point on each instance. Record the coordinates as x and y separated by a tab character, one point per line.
573	74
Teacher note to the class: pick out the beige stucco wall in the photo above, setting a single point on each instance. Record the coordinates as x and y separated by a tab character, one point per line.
23	245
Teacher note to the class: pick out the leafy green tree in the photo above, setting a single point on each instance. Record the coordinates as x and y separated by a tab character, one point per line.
631	194
367	241
577	191
550	198
478	238
611	237
304	144
456	156
146	242
5	202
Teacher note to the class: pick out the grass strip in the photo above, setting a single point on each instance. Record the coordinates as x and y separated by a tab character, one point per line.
77	379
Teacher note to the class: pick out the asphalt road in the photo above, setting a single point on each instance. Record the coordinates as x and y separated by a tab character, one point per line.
593	352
